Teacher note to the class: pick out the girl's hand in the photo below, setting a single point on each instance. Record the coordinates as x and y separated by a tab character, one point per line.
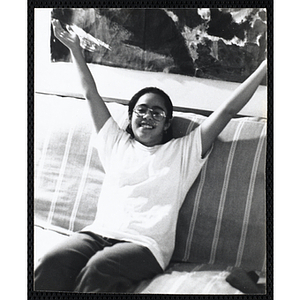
68	37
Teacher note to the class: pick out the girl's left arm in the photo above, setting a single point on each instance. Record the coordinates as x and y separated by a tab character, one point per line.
217	121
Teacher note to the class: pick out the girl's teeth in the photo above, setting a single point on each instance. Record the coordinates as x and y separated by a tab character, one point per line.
147	126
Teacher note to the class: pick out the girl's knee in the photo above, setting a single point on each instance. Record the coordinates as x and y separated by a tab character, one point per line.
51	259
48	274
91	279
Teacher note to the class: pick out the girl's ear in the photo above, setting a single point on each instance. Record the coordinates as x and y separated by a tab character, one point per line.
167	124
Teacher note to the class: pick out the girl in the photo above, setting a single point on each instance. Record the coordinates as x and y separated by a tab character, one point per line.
148	175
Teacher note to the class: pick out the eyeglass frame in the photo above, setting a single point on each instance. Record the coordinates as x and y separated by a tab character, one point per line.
162	114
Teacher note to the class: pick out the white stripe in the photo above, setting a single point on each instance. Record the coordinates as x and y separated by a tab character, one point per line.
249	198
177	283
263	269
42	161
81	186
61	175
215	279
223	193
197	199
195	213
229	268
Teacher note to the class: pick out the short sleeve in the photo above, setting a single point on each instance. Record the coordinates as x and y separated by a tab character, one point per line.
192	159
107	140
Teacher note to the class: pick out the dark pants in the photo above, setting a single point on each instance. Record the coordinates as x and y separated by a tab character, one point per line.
88	263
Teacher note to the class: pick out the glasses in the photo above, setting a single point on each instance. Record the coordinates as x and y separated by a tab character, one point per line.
156	113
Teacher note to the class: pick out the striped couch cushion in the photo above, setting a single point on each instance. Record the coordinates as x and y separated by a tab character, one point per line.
189	278
222	221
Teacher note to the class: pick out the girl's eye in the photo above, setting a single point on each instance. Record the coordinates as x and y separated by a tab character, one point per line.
142	110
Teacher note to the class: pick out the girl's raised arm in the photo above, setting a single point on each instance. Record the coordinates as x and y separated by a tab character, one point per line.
216	122
99	111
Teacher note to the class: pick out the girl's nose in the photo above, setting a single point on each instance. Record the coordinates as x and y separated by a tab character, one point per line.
148	115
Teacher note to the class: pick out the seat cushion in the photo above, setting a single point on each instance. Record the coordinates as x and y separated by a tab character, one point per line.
178	278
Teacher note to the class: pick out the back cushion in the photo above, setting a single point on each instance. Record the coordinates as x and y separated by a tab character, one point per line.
68	175
222	220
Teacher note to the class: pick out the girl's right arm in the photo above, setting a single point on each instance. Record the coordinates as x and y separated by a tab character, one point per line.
99	110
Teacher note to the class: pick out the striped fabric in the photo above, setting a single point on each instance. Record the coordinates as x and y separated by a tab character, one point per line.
187	278
222	221
179	278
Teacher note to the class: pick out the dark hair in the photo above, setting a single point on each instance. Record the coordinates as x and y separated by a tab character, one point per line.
167	102
153	90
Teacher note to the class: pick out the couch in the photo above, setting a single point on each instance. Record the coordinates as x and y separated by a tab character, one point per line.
221	227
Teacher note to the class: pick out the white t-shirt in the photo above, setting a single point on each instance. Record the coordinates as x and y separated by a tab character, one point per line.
144	188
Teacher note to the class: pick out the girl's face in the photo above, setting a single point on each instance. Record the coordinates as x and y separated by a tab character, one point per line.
148	121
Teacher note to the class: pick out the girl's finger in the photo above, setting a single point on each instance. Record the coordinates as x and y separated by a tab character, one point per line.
68	27
56	24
